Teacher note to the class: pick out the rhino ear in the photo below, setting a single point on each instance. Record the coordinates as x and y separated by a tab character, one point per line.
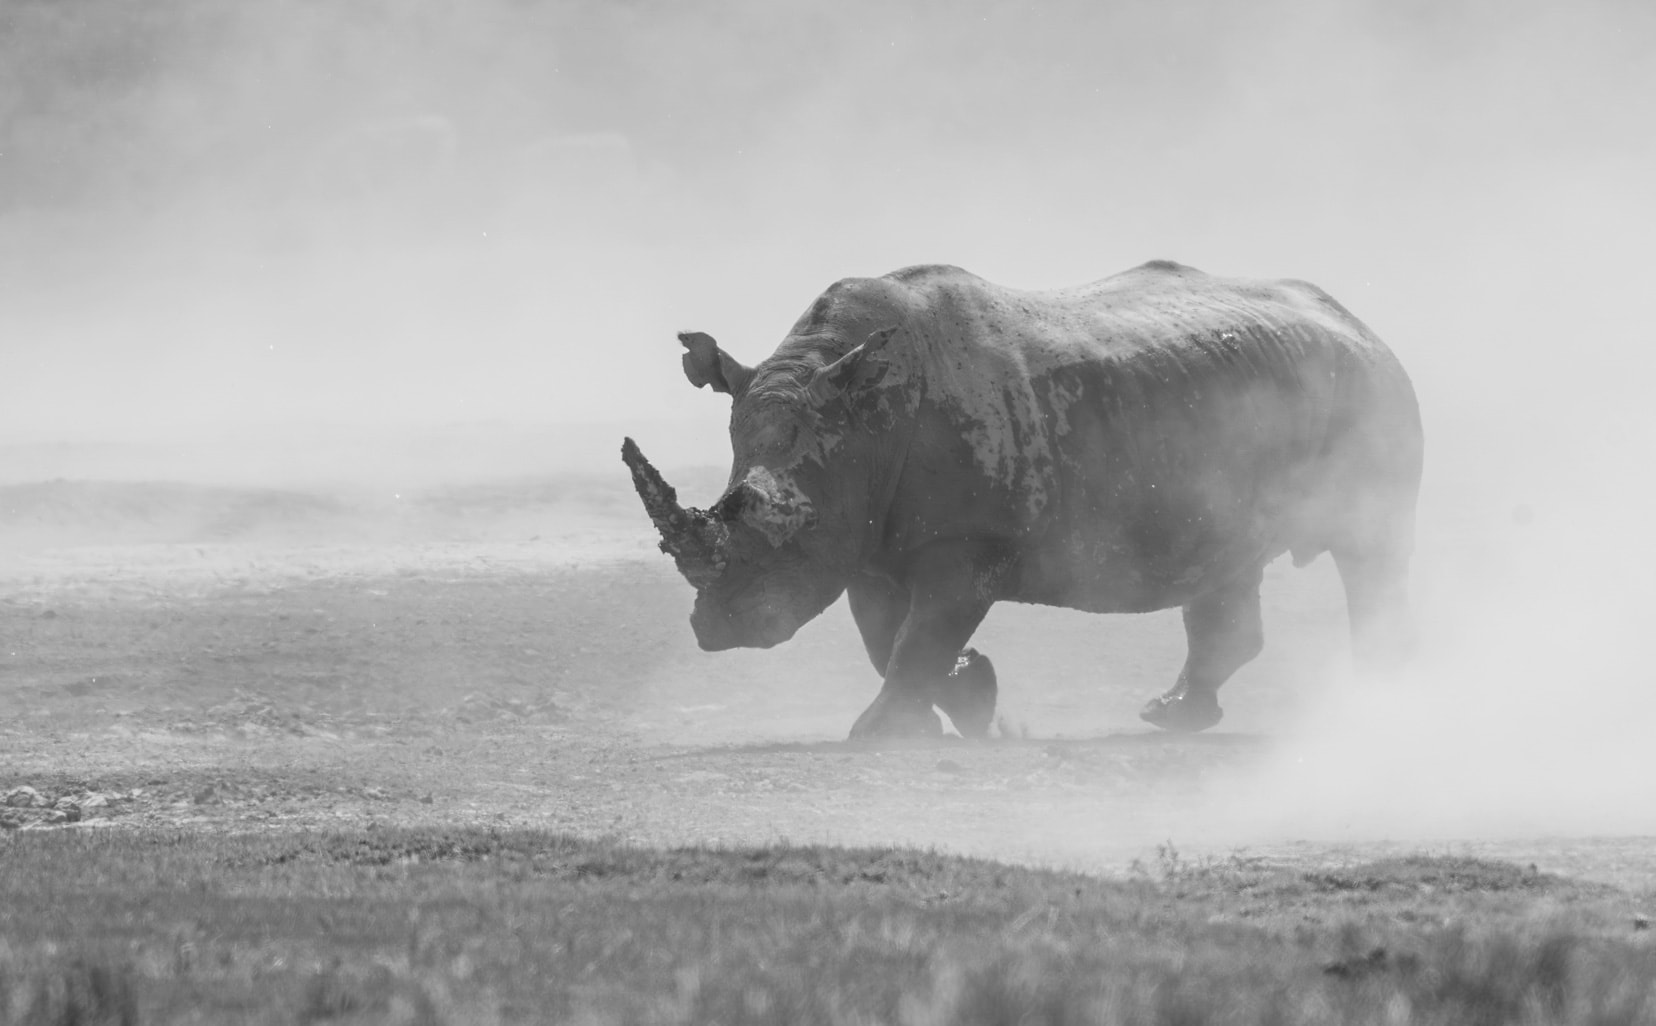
706	364
838	376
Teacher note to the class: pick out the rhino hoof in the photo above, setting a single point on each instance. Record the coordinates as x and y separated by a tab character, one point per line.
1183	712
889	719
969	696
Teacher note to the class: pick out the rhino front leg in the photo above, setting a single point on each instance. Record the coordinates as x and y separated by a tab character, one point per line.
949	592
1224	631
879	606
970	693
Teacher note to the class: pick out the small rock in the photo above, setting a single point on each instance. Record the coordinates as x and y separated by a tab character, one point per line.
426	799
24	797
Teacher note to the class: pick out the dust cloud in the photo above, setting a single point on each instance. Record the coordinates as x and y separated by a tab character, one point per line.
1526	713
290	240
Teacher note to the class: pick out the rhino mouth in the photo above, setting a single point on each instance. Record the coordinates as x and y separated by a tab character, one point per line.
754	586
718	630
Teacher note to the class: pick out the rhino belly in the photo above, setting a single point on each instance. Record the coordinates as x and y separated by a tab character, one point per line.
1109	575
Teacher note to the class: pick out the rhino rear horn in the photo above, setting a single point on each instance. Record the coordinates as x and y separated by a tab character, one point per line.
693	537
838	376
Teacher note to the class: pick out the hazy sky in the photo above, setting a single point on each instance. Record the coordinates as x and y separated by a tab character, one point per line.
407	212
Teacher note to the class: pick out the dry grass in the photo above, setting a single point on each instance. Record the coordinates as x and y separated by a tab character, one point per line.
431	927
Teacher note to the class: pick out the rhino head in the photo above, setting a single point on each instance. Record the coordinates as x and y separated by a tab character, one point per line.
782	541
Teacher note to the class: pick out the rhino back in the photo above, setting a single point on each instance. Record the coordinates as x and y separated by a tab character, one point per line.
1140	438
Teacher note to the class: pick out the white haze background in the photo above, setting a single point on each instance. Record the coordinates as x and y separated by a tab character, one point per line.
387	241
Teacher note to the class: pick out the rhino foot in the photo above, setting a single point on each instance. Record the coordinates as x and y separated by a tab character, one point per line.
969	694
898	717
1183	711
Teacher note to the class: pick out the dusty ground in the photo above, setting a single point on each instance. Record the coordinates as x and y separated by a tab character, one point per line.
263	661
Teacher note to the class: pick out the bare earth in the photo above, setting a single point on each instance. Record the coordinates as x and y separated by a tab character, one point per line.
527	663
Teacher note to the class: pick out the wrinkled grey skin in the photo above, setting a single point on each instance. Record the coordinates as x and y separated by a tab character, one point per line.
932	444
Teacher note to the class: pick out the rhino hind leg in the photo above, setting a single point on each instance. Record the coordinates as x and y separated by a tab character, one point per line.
1224	631
1376	587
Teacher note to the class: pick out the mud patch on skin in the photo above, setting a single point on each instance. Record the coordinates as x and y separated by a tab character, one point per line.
781	509
1007	432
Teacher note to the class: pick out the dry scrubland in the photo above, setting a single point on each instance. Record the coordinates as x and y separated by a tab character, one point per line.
277	756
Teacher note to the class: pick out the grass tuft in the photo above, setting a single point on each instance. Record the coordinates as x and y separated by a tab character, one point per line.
442	926
80	993
376	994
1449	874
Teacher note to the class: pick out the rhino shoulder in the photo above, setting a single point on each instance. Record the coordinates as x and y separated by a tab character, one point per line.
920	274
1164	267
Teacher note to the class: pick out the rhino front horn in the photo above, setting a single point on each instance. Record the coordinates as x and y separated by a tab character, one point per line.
692	537
660	500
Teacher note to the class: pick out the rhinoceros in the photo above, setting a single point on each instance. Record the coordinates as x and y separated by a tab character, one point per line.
928	444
